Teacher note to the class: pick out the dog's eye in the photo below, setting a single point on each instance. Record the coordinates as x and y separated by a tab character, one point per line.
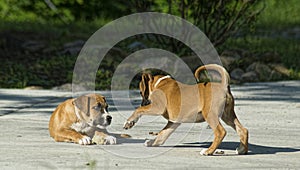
98	107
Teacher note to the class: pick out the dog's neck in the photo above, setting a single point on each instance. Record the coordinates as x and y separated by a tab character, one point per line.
160	79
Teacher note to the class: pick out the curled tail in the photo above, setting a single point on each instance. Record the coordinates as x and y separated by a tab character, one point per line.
221	70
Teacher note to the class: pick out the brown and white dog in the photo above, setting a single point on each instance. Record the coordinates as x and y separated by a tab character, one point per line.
77	120
179	103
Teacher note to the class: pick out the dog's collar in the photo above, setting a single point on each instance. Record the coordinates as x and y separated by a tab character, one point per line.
160	79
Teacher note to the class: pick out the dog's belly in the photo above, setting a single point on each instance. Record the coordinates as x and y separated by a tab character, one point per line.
192	118
199	118
190	107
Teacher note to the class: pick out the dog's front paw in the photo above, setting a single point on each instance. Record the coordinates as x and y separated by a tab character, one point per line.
128	124
149	142
110	140
85	140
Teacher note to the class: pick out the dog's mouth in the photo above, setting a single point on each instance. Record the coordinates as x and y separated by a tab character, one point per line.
101	126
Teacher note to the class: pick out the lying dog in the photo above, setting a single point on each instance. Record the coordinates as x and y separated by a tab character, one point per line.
77	120
179	103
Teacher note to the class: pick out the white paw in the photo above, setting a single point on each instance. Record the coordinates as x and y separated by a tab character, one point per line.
110	140
240	151
203	152
237	151
149	142
85	140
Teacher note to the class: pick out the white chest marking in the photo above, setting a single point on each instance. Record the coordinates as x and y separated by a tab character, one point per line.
81	127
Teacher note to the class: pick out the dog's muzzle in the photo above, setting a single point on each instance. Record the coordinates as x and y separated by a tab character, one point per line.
103	121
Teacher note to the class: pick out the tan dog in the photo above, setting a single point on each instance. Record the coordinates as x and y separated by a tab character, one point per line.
77	120
179	103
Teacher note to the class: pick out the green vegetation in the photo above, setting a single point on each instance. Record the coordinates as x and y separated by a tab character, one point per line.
26	21
279	15
288	49
277	30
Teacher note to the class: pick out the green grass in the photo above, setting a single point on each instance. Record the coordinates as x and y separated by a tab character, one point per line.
279	14
21	68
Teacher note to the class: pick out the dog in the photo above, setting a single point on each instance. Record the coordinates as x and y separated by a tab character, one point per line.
179	103
77	120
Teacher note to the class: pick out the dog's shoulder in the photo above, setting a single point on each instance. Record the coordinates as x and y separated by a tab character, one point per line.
67	104
65	107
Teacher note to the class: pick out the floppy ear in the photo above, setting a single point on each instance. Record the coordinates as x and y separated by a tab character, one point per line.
104	99
83	103
146	77
144	85
149	77
145	81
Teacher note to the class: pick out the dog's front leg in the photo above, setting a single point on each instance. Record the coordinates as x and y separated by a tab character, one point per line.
151	109
66	135
163	134
157	107
102	138
136	115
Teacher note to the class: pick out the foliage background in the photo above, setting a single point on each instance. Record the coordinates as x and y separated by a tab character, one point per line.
57	22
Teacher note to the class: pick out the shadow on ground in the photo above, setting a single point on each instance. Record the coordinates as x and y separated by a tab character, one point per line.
287	91
253	148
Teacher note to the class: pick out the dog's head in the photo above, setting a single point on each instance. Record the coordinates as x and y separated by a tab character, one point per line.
92	109
145	88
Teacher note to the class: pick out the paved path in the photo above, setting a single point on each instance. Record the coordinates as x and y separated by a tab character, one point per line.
271	112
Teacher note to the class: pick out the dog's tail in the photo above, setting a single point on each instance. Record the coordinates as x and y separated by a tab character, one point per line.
225	78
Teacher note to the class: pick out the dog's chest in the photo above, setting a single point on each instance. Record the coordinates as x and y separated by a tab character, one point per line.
81	127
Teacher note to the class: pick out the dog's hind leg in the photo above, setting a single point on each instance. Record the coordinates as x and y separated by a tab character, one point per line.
163	134
219	134
211	116
231	119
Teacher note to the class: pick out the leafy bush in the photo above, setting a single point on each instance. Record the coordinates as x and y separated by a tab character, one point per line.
59	21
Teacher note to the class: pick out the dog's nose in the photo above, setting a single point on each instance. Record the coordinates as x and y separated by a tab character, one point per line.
108	118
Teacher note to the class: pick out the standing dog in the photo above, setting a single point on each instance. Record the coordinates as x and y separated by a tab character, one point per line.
77	120
179	103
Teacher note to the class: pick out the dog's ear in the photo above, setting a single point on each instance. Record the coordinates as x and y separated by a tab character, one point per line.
104	99
83	103
146	77
144	88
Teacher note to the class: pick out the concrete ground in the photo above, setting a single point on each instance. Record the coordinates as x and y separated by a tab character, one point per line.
271	112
